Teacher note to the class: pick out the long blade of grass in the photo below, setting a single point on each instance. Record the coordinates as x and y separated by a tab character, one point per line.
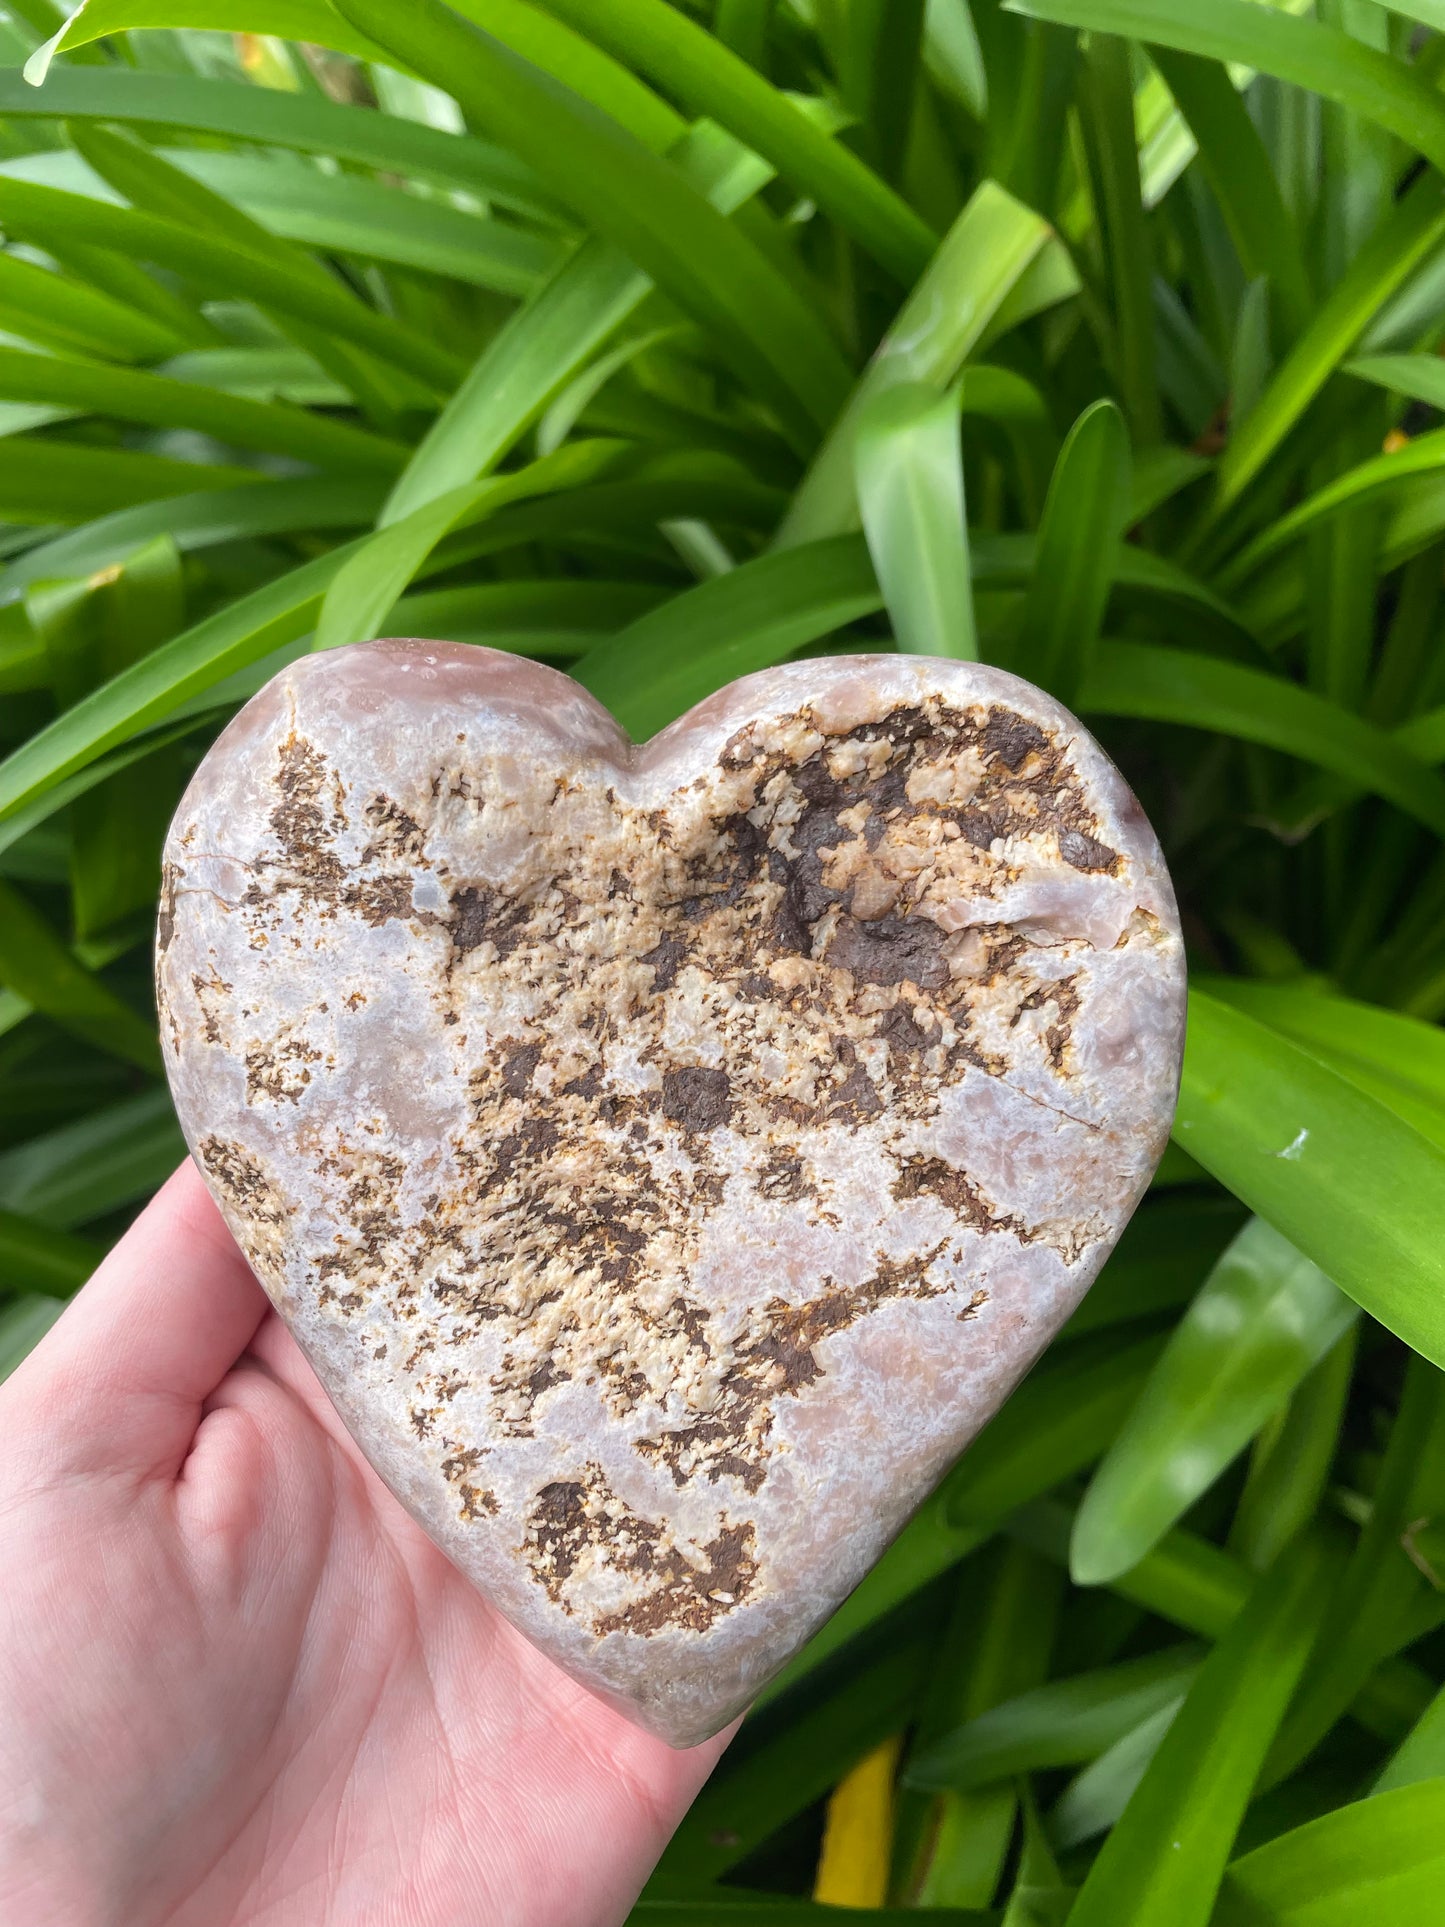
130	395
1166	1857
44	482
1322	58
1371	1600
243	631
997	1646
199	520
1172	685
1292	1458
371	579
538	350
35	213
1264	1317
286	19
1409	235
981	260
1077	554
1340	1175
1380	1860
306	123
708	79
81	1171
637	200
755	615
1367	481
1417	377
1064	1723
1106	113
1237	166
70	317
909	477
37	966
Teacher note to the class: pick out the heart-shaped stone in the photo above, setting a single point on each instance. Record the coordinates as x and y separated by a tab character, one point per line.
668	1157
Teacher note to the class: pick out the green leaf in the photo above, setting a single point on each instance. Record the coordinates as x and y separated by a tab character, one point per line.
92	628
1365	482
155	187
701	73
200	520
1371	1600
1409	235
1379	1861
550	618
56	312
1159	474
538	350
286	19
1263	1318
1061	1724
1340	1175
43	482
223	264
950	1850
1106	115
1417	377
37	966
1039	1898
1290	1465
45	805
909	477
639	201
346	214
82	1171
129	395
307	123
1166	1857
1174	686
1237	166
1392	1057
755	615
370	581
243	631
1077	554
25	1322
1093	1800
980	262
1421	1754
1324	59
878	68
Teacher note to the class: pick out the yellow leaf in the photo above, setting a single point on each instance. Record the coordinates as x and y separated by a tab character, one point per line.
858	1833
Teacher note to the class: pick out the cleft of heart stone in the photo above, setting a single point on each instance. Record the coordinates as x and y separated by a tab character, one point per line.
668	1156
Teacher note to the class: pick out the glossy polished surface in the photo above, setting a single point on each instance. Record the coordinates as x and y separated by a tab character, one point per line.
668	1157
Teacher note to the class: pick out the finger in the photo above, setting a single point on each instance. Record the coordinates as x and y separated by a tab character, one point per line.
141	1346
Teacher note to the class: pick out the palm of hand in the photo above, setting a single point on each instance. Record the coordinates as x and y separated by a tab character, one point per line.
237	1684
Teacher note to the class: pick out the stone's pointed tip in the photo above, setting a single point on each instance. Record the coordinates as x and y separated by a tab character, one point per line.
668	1158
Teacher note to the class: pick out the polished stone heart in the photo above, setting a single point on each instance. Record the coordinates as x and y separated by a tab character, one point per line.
668	1157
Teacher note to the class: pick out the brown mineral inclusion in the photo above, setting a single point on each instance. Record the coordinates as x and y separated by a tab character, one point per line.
667	1156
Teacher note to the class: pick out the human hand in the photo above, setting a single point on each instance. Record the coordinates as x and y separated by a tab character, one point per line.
237	1684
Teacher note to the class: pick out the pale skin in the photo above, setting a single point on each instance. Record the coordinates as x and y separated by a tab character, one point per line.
238	1686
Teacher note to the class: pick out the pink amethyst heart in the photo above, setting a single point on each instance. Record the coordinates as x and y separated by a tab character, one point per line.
667	1156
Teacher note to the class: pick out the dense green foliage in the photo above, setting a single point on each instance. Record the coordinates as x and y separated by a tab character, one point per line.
668	342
